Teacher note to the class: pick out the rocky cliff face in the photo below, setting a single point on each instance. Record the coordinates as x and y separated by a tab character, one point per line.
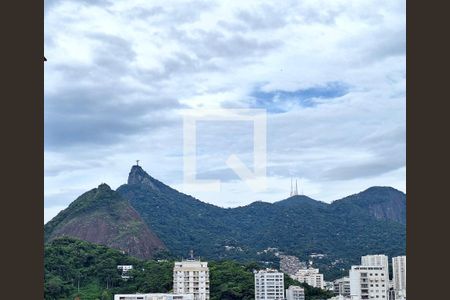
139	176
103	217
384	203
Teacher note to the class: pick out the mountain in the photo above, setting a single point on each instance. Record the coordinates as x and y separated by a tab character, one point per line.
384	203
103	217
369	222
181	220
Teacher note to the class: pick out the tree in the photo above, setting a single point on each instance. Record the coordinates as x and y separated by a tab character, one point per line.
106	295
55	288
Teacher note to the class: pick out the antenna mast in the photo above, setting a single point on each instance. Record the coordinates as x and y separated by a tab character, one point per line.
292	191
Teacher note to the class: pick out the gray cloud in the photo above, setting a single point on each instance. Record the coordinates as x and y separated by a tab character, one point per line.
49	4
209	44
101	116
119	73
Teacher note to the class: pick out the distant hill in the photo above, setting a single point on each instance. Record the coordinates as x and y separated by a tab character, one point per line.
384	203
103	217
372	221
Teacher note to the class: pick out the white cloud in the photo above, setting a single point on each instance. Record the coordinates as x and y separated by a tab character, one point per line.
119	74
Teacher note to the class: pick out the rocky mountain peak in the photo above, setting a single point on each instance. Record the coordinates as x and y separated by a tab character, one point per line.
104	187
139	176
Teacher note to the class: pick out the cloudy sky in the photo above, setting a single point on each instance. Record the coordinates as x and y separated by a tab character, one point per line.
120	76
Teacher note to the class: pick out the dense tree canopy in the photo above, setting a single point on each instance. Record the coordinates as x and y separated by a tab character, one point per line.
75	268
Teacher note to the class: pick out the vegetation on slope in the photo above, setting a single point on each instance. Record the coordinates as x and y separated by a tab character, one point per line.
300	226
75	268
104	217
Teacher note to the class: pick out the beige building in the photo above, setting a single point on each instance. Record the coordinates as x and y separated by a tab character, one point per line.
191	277
295	293
310	276
341	286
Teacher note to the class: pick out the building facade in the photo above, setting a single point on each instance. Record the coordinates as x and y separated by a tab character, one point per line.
152	297
269	285
341	286
339	297
310	276
295	293
377	260
399	276
368	282
191	277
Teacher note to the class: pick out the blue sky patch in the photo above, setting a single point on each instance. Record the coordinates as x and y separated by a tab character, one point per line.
279	101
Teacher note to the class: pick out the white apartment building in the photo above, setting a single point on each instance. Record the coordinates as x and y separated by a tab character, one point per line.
191	277
152	297
269	285
399	276
295	293
339	297
368	282
376	260
342	286
310	276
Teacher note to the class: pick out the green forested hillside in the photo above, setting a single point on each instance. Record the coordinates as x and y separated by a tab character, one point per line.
78	268
104	217
343	231
145	216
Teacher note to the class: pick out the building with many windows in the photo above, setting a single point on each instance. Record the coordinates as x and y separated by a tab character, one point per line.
152	297
368	282
341	286
377	260
269	285
310	276
295	293
191	277
339	297
399	276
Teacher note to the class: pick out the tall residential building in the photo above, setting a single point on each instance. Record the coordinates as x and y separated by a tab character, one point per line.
368	282
191	277
152	297
342	286
399	276
310	276
377	260
295	293
269	285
